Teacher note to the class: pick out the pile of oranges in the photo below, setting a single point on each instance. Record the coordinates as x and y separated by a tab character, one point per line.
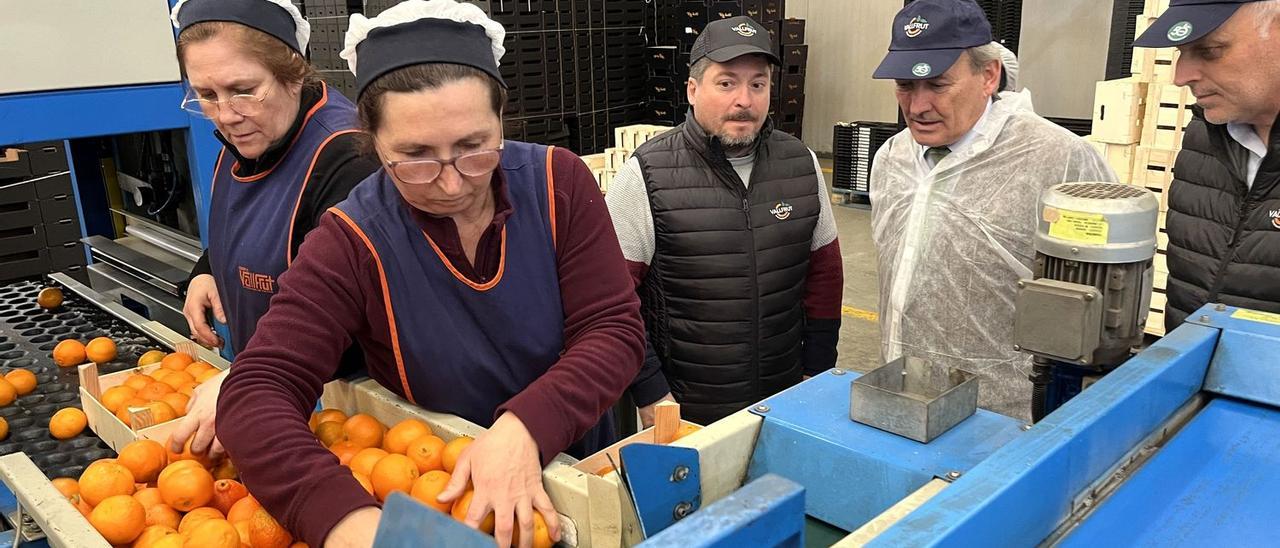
164	390
407	457
149	497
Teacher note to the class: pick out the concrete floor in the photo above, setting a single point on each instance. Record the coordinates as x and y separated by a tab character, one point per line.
859	347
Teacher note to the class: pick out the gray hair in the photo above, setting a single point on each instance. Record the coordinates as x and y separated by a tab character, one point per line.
979	56
1265	14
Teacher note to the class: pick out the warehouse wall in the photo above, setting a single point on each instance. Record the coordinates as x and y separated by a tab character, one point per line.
847	39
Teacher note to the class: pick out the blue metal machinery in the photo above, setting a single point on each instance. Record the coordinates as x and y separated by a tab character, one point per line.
1177	446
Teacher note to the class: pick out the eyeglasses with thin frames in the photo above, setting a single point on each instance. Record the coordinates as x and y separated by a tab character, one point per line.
421	172
244	104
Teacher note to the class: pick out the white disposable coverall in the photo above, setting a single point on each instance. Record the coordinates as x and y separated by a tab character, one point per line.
952	246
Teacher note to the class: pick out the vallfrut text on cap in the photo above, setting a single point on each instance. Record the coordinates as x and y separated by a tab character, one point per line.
727	39
1187	21
929	36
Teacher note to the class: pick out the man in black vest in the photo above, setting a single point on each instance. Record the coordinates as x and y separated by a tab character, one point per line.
727	228
1224	201
955	199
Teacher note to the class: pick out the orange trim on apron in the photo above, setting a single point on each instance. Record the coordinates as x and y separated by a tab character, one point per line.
551	195
324	99
386	301
502	264
288	250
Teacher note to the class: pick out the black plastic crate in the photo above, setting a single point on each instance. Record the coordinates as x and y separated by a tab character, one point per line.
791	31
772	11
795	55
723	10
854	147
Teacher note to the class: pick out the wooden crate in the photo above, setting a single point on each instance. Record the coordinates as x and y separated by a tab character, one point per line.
1119	157
614	157
631	137
1153	170
1168	112
1152	64
1118	111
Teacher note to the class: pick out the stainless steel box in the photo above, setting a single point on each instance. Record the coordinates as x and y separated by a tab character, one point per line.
913	399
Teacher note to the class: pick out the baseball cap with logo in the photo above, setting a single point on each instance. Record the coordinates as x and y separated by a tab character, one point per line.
1187	21
929	36
727	39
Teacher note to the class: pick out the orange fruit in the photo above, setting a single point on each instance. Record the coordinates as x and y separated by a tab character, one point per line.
265	532
327	415
242	527
174	466
243	509
123	412
175	379
461	506
67	423
213	533
150	357
393	472
100	350
112	398
161	412
67	486
69	353
345	451
225	470
364	430
154	391
207	375
187	488
176	361
148	497
4	428
83	507
453	450
226	493
186	454
189	389
151	534
8	393
365	460
177	402
429	486
403	433
194	517
541	535
427	452
144	458
23	381
364	481
119	519
329	433
163	514
158	375
137	381
299	544
198	367
173	540
49	298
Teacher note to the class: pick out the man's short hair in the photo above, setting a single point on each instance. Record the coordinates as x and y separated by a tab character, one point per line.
1265	13
979	56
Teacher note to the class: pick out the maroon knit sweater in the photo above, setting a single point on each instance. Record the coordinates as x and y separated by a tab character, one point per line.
331	295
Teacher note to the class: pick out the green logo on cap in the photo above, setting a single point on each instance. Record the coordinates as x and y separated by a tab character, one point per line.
1180	31
921	69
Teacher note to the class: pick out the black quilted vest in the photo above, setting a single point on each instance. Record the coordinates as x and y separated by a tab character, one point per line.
724	296
1224	238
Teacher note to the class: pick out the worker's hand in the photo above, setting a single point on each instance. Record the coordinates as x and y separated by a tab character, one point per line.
647	412
506	471
199	420
202	295
356	530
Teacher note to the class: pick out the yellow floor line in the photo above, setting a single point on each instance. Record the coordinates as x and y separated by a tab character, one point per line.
851	312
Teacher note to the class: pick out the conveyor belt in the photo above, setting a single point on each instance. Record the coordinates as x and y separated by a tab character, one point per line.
27	337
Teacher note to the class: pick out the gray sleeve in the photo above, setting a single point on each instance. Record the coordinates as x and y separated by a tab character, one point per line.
628	202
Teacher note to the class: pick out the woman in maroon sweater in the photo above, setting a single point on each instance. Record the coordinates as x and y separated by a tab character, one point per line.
481	277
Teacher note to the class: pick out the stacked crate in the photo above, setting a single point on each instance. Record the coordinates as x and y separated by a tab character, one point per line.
626	140
39	223
1137	125
609	62
787	108
329	20
854	149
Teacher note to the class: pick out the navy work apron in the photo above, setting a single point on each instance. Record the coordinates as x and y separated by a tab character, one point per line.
251	218
461	347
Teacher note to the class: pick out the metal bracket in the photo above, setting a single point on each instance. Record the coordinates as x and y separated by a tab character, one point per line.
664	483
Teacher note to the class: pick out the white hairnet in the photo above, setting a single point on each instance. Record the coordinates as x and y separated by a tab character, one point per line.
953	245
1010	63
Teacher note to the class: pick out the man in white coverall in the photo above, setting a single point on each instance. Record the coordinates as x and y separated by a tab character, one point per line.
954	199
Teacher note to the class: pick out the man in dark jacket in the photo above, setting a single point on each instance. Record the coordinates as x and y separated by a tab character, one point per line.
1224	202
727	229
